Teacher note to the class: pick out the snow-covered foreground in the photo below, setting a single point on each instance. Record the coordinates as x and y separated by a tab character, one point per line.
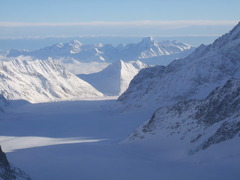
85	140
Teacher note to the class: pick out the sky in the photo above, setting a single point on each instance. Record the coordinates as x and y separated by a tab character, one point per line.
28	19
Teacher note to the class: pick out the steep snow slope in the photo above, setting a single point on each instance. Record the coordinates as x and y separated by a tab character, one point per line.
39	81
147	48
8	171
114	79
195	125
193	77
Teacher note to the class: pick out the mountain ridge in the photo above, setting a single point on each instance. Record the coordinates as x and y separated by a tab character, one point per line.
41	81
198	124
147	48
193	77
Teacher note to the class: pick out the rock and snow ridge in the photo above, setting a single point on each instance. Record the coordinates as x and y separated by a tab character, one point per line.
8	171
41	81
147	48
3	103
193	77
196	125
114	79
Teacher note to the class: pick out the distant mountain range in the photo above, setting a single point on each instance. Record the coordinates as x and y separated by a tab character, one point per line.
147	48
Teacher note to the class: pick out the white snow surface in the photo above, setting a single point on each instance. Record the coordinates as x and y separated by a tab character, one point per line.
41	81
115	78
48	145
193	77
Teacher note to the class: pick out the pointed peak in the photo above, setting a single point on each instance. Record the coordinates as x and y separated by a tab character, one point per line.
147	39
232	35
75	42
118	63
236	29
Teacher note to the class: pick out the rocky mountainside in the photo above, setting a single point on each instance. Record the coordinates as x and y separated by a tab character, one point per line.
41	81
193	77
114	79
8	171
145	49
196	124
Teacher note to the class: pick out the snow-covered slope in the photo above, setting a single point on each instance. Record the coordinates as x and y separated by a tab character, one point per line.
145	49
193	77
195	125
114	79
8	171
41	81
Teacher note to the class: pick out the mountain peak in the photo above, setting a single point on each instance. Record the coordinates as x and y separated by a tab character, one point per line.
227	39
193	77
147	40
75	42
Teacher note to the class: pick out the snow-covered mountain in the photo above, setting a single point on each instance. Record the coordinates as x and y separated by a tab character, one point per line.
114	79
41	81
8	171
195	125
193	77
147	48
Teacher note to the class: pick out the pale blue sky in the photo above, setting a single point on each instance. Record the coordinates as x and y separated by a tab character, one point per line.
117	10
65	18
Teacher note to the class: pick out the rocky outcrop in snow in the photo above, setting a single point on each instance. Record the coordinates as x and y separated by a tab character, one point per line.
3	103
114	79
196	124
145	49
8	171
41	81
193	77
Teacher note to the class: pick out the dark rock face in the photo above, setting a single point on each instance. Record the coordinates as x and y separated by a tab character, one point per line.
8	171
3	159
227	130
220	104
3	103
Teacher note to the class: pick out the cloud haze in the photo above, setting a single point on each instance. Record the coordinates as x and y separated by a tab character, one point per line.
166	24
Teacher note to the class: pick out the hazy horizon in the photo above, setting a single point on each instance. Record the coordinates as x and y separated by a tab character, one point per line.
31	44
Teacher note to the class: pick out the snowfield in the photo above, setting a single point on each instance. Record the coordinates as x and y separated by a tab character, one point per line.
86	140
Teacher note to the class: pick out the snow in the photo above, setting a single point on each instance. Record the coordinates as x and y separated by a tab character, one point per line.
12	143
60	127
114	79
85	53
88	138
41	81
193	77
